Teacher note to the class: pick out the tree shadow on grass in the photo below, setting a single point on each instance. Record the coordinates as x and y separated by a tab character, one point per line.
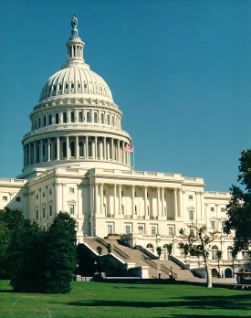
236	302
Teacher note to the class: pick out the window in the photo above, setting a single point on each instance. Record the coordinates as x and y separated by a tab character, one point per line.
81	149
44	120
71	190
88	117
90	148
64	118
57	118
72	117
95	117
108	119
191	231
229	253
80	117
214	252
36	212
72	148
223	209
71	208
50	121
191	215
212	224
50	210
223	224
109	229
36	196
128	229
18	199
190	197
153	230
43	211
50	191
141	229
170	230
43	194
64	149
102	118
5	198
212	209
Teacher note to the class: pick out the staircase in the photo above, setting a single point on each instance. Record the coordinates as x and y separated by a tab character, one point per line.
129	255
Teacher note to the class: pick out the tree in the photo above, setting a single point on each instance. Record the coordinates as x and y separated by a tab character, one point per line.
198	240
5	239
159	251
239	208
109	248
99	250
61	257
219	257
169	248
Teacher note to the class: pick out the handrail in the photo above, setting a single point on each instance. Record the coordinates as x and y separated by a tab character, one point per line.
166	270
120	252
101	241
151	263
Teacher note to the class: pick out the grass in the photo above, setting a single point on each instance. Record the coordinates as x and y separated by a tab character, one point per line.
99	300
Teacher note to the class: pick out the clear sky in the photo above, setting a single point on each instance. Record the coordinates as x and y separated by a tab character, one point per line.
180	71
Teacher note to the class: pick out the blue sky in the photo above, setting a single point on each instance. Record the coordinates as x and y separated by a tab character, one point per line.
180	71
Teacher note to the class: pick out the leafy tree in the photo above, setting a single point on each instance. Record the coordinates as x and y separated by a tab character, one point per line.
198	240
5	239
159	251
99	250
239	208
61	257
26	258
169	248
109	248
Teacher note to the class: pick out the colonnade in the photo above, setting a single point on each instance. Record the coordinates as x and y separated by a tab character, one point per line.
76	147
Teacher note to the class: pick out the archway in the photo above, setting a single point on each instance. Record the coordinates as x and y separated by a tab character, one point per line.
228	273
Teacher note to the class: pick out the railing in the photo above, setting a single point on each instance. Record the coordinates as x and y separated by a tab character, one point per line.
120	252
101	241
150	263
166	270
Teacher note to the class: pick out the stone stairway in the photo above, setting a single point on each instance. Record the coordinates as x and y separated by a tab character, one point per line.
140	259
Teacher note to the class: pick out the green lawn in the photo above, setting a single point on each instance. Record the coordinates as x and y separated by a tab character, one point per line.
89	299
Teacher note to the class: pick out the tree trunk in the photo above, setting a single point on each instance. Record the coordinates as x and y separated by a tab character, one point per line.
208	273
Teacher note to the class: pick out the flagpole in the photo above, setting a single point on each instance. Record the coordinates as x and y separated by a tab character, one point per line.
133	157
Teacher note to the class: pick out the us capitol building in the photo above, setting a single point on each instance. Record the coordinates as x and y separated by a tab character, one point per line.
77	159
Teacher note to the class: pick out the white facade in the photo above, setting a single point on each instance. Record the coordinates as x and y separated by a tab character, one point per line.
74	161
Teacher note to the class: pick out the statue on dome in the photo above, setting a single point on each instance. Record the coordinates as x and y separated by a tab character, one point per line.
74	22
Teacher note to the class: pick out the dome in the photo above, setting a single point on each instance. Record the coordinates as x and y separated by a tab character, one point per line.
75	77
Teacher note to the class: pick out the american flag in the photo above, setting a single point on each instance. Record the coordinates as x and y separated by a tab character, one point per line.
128	148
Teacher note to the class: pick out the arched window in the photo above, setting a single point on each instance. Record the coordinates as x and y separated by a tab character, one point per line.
102	118
214	252
65	117
85	85
44	120
39	122
72	148
108	119
64	149
149	245
81	149
88	117
57	118
90	148
50	122
80	117
72	117
95	117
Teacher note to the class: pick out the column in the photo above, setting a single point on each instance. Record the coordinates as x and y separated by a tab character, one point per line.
163	201
119	208
112	146
29	154
48	149
77	147
180	202
133	199
105	149
41	151
101	150
175	203
95	155
58	148
34	151
67	148
115	198
145	199
158	202
101	197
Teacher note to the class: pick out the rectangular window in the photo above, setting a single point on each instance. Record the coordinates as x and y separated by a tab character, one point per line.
71	190
57	118
50	191
128	229
36	196
109	229
153	230
5	198
71	208
43	212
190	197
36	214
140	229
18	199
223	209
212	209
191	215
43	194
50	209
170	230
212	224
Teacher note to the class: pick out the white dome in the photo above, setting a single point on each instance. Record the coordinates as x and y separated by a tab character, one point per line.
76	79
